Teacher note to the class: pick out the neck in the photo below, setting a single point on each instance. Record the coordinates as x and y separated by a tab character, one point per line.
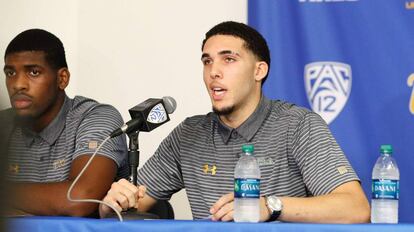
44	120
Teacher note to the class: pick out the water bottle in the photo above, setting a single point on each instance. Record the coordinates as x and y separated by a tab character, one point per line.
247	187
385	188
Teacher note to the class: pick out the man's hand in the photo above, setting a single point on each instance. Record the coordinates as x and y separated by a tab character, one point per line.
121	196
223	209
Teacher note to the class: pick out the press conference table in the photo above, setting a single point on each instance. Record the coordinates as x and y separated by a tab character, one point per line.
75	224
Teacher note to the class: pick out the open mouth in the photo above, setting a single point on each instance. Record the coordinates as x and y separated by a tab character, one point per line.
218	91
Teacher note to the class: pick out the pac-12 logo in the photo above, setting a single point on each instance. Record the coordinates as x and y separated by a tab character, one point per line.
157	114
328	86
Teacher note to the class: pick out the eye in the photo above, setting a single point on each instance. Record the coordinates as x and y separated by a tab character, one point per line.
34	73
229	59
206	61
9	73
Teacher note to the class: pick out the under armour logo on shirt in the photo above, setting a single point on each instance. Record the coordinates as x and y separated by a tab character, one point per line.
207	169
14	168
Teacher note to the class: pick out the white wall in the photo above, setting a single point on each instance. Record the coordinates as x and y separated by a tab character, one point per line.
123	52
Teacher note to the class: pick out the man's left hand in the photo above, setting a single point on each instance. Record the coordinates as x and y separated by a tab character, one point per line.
223	209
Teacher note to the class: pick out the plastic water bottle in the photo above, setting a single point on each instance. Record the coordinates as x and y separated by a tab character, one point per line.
247	187
385	188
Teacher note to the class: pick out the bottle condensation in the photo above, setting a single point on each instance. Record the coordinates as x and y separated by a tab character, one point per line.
247	187
385	188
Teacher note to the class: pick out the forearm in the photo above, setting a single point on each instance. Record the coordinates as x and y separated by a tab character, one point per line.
50	199
331	208
345	204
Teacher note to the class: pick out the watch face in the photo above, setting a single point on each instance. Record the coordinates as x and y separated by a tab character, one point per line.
274	203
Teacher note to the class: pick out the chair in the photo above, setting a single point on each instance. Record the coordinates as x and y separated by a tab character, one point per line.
163	210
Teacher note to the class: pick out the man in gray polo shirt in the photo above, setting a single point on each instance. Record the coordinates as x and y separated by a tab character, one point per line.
305	175
51	136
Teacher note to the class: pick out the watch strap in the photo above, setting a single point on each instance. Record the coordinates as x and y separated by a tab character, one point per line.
274	214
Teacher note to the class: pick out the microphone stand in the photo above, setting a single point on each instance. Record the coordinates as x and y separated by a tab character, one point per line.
133	157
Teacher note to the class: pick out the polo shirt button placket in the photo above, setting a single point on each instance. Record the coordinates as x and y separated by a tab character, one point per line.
234	135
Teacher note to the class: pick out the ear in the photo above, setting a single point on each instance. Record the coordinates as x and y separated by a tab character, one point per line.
63	77
261	70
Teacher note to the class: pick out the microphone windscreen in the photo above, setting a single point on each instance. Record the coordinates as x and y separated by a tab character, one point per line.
170	104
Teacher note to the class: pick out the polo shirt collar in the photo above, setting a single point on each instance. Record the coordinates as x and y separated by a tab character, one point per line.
249	127
52	132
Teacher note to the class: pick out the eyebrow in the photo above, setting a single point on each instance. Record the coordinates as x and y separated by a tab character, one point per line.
224	52
27	66
6	67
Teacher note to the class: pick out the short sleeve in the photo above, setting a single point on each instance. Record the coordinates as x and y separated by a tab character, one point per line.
322	162
95	126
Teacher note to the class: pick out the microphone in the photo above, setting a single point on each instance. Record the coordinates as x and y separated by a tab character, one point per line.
147	115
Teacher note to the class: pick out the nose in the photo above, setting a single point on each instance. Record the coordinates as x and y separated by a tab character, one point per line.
215	71
19	82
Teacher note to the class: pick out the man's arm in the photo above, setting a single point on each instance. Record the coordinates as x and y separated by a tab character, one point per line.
50	198
345	204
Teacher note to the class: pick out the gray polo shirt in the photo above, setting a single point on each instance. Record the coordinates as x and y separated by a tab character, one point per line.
297	155
80	126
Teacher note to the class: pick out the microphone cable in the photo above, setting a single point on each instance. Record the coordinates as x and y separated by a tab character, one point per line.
80	174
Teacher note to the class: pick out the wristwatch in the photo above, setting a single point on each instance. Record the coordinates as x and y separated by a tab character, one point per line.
275	206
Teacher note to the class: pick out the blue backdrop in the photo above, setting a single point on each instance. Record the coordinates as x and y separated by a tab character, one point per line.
351	61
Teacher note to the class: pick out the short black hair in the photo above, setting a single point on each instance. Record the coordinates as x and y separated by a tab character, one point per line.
39	40
253	40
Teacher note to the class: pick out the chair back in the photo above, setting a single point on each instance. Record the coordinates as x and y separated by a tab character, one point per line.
163	210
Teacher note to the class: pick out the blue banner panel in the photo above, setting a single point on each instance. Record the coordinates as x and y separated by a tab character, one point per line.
351	61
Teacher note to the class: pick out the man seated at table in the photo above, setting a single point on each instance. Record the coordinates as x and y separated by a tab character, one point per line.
305	175
51	136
